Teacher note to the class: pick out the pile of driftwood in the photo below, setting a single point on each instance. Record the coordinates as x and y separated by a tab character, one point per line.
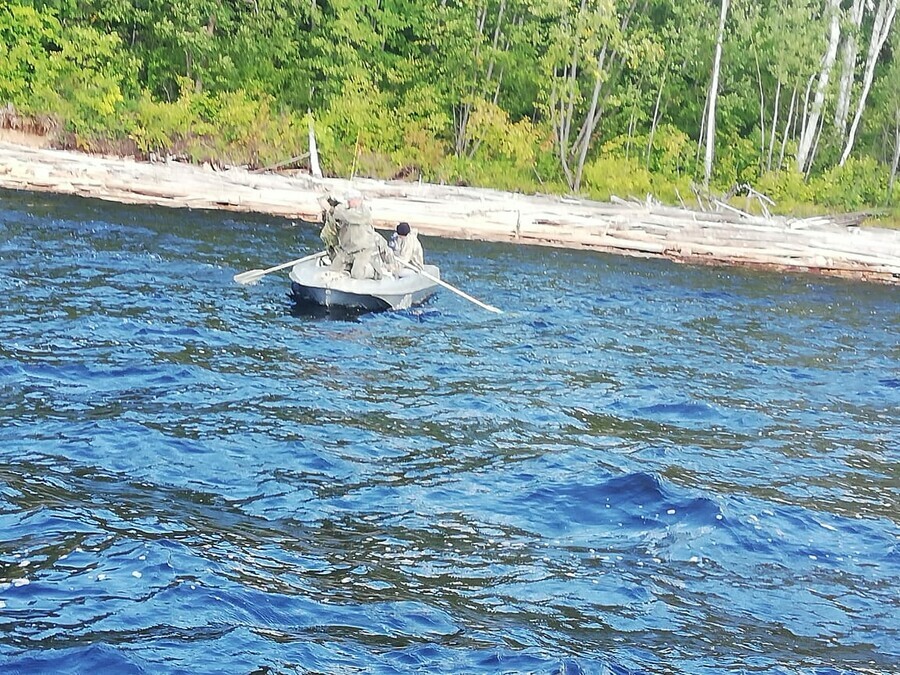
714	233
718	235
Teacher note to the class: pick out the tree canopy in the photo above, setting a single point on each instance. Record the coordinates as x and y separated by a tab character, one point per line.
798	98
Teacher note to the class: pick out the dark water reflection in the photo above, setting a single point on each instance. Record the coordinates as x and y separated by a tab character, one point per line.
640	467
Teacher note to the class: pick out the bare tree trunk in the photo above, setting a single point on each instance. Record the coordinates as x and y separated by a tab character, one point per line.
805	115
461	124
490	70
655	121
497	88
567	107
713	94
592	118
896	161
848	70
811	125
788	127
557	107
815	147
496	98
762	111
580	147
632	123
610	60
586	133
313	150
469	148
774	125
566	111
481	17
632	119
884	17
702	128
590	124
463	111
571	91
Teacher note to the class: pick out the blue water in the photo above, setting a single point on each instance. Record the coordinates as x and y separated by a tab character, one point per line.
639	468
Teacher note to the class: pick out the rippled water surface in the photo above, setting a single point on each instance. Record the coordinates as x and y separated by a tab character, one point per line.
638	468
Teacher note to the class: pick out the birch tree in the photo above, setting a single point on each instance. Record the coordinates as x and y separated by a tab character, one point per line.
810	129
881	28
750	40
890	105
848	69
485	40
713	94
895	162
793	40
578	53
672	72
496	54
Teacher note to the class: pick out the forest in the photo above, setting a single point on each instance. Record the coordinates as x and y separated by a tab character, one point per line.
799	99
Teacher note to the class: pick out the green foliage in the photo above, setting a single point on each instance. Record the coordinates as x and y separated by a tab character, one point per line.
889	218
161	127
495	137
231	127
234	80
420	151
78	73
420	108
625	169
89	78
607	176
670	155
26	36
500	174
737	161
787	188
360	116
860	182
423	127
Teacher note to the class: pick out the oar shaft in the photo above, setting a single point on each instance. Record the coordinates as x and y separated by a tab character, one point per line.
252	276
293	262
443	283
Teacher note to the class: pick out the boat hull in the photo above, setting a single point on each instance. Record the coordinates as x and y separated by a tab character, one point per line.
317	283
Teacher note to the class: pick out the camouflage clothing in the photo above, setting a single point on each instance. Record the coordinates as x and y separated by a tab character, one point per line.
387	263
353	244
355	231
329	233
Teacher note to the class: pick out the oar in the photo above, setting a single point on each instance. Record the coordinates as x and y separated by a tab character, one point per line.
468	297
253	276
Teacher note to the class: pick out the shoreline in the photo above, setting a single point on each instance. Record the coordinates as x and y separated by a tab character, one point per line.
722	238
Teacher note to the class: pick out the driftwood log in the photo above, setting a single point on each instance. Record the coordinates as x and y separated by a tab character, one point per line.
724	237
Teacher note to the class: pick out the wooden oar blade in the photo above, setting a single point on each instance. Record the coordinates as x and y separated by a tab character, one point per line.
249	277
